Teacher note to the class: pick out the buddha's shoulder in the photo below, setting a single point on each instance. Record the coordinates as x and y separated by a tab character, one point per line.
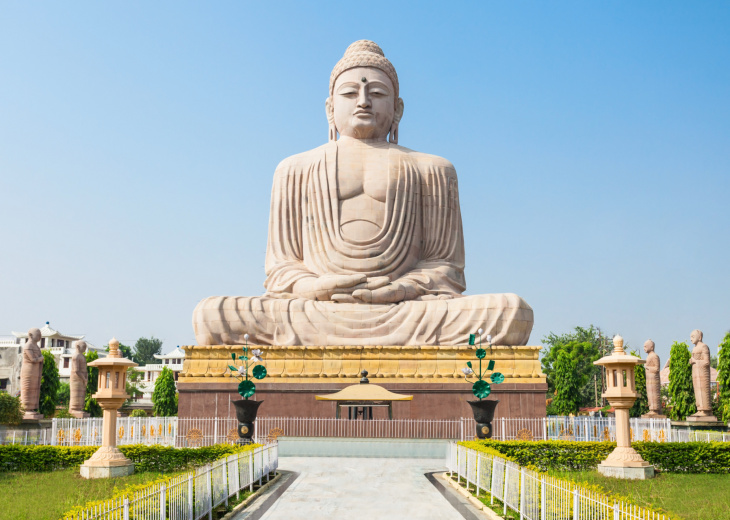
426	160
301	161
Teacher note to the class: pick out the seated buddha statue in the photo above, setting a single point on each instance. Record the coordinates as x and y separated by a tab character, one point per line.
365	241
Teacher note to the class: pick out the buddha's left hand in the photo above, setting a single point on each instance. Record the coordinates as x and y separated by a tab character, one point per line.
392	293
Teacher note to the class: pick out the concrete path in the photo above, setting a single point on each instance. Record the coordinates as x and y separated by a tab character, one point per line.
352	488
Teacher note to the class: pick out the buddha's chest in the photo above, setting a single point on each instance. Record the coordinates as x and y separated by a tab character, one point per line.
363	182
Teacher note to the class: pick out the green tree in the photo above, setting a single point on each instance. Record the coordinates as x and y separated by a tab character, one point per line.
723	379
49	385
11	411
145	350
681	393
138	413
125	350
64	395
641	405
91	406
585	345
163	397
567	384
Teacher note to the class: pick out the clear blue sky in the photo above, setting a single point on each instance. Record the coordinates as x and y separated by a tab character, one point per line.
592	142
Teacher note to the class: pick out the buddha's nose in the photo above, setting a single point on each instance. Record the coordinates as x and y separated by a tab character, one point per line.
363	100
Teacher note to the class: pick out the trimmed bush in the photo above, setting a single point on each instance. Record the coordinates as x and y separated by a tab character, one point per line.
674	457
11	411
15	457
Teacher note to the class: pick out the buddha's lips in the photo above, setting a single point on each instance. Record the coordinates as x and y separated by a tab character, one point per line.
363	113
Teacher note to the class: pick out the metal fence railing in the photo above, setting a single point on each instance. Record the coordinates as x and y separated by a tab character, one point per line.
192	495
130	430
590	429
205	431
534	495
373	428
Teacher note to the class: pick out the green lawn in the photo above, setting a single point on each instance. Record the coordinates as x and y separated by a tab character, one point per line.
48	495
683	496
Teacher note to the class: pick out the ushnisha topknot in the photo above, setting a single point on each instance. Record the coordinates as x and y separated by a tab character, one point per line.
364	53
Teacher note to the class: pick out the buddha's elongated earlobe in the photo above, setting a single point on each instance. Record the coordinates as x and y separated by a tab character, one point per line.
399	106
331	119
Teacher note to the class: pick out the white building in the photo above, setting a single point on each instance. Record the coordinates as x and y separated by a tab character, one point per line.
62	346
150	373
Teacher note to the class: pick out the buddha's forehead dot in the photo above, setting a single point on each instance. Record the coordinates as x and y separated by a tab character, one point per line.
364	79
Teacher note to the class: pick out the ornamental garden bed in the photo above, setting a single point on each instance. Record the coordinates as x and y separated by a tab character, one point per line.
692	483
43	482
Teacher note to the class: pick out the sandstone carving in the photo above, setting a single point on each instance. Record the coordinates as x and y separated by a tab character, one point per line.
30	375
365	238
700	362
653	382
79	379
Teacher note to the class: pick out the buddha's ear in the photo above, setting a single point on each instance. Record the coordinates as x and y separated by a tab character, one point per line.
330	110
399	105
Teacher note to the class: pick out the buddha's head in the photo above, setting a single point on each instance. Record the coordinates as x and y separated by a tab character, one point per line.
80	347
34	334
363	101
649	346
696	336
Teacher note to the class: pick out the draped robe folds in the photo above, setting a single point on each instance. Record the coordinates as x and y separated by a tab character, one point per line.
79	380
420	243
30	376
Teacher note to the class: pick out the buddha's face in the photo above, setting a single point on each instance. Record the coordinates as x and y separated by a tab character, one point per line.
695	337
364	103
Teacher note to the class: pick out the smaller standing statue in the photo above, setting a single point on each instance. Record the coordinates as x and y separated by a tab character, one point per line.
79	379
653	382
30	376
483	410
246	410
700	362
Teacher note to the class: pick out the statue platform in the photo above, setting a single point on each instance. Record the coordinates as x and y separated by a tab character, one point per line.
295	374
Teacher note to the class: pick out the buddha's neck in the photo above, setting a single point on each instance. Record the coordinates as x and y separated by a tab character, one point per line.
352	141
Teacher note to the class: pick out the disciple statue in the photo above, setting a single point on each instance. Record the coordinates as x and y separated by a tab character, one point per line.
700	362
79	379
30	375
653	382
365	238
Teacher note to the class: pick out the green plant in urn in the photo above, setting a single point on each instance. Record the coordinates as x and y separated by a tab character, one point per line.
483	410
246	410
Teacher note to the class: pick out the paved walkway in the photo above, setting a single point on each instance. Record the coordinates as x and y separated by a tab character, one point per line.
350	488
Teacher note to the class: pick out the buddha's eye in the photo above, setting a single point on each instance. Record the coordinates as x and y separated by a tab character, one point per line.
348	92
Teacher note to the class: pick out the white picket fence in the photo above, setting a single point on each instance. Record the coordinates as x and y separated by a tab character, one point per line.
193	495
533	495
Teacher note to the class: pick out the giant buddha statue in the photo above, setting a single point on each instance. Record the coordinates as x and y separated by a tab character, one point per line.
365	239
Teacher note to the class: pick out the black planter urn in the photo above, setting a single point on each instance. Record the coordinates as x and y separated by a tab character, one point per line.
246	414
483	414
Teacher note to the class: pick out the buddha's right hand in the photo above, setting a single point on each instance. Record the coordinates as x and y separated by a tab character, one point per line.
324	287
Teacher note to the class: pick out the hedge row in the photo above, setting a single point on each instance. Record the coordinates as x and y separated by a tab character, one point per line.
674	457
157	458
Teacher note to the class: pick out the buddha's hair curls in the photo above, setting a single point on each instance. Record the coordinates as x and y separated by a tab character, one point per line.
364	53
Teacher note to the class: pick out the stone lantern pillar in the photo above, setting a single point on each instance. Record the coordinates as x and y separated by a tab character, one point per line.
624	461
108	461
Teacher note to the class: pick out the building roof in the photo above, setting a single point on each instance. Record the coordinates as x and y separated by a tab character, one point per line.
178	353
364	392
48	332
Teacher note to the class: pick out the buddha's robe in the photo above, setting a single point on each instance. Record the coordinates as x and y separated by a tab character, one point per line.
420	241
